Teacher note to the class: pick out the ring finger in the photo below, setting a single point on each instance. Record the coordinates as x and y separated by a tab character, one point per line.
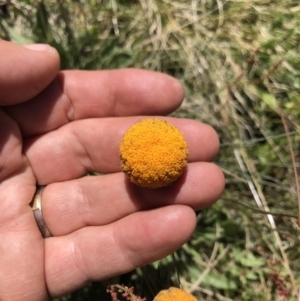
100	200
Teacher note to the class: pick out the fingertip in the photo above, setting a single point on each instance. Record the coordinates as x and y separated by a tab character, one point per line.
185	217
25	70
40	47
172	92
177	90
205	179
213	140
218	184
203	140
210	143
155	92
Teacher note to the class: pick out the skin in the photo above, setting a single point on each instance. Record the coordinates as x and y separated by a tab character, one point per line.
55	128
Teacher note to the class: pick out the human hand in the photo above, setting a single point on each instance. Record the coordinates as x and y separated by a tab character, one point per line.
55	127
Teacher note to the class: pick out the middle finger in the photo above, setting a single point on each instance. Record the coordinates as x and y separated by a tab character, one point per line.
93	145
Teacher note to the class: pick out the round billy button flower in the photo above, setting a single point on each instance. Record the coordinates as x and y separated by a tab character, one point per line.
174	294
153	153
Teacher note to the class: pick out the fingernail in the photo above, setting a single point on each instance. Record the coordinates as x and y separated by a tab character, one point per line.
40	47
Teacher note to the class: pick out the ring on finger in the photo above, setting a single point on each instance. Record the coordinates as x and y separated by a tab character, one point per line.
36	205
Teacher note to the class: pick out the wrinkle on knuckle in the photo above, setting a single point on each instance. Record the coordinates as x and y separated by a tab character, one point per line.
69	109
130	251
81	152
10	164
84	206
68	104
78	258
123	256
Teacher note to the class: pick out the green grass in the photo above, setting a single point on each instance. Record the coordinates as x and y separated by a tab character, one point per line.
240	65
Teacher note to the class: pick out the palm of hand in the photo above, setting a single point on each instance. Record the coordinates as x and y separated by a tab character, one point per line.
102	226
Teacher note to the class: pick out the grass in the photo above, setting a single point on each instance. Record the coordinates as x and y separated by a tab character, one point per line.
240	65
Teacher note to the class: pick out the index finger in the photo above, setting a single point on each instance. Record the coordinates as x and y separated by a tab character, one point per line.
75	95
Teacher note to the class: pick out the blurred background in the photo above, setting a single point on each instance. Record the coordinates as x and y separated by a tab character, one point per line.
239	62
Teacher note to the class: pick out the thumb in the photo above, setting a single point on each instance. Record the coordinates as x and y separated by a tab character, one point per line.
25	70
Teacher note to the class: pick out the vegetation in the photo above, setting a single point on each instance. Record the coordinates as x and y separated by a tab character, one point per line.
240	65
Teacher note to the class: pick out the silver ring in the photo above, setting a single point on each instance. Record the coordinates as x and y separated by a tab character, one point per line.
36	206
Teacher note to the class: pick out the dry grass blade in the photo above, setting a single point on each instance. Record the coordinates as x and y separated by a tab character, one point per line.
247	167
293	161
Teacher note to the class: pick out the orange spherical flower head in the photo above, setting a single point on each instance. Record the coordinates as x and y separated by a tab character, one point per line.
174	294
153	153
